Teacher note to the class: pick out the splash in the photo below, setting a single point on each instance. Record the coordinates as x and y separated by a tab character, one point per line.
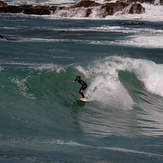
106	87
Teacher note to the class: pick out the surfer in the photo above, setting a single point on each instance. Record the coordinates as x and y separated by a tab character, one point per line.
84	86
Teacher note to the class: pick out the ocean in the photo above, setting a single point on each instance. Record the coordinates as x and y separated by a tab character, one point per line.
42	119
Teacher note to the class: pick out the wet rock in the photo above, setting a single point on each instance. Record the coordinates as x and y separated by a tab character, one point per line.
38	10
3	4
141	1
112	8
136	9
1	37
88	12
86	6
54	8
11	9
24	7
86	3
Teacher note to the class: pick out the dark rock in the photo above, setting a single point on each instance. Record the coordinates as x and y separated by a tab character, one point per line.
38	10
24	7
112	8
88	12
54	8
10	9
3	4
141	1
85	3
88	5
1	37
137	8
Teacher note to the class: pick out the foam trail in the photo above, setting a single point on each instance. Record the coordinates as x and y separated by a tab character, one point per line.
131	151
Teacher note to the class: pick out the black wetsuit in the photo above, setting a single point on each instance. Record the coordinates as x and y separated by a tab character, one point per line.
84	86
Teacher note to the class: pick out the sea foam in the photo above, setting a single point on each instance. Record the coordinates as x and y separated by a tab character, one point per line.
106	87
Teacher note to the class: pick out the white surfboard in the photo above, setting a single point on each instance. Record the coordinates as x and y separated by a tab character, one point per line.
86	99
83	100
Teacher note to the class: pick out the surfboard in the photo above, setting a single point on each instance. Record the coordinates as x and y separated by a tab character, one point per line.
86	99
83	100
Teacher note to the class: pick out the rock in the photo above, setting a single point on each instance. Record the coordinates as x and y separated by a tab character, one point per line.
141	1
24	7
54	8
88	12
136	8
3	4
84	3
11	9
86	6
112	8
1	37
38	10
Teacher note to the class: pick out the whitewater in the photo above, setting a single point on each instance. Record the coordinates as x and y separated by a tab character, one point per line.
120	57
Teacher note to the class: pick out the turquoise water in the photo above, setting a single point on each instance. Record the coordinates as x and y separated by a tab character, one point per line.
41	118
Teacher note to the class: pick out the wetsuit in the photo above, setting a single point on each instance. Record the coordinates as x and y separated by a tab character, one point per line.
84	86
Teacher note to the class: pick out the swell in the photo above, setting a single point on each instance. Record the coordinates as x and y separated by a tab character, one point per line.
43	99
105	77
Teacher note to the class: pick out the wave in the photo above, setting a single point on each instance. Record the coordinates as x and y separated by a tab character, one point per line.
42	98
148	35
107	79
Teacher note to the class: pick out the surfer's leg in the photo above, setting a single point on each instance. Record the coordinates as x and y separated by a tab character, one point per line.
81	92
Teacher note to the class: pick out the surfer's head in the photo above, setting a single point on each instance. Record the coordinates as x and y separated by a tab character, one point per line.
78	77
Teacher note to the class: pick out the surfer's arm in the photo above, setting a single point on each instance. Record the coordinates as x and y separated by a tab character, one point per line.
74	80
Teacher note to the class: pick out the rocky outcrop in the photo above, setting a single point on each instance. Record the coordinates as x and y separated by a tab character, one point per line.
3	4
161	2
85	3
87	6
37	10
141	1
112	8
11	9
136	9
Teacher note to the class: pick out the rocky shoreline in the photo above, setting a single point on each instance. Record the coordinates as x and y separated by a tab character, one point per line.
85	6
